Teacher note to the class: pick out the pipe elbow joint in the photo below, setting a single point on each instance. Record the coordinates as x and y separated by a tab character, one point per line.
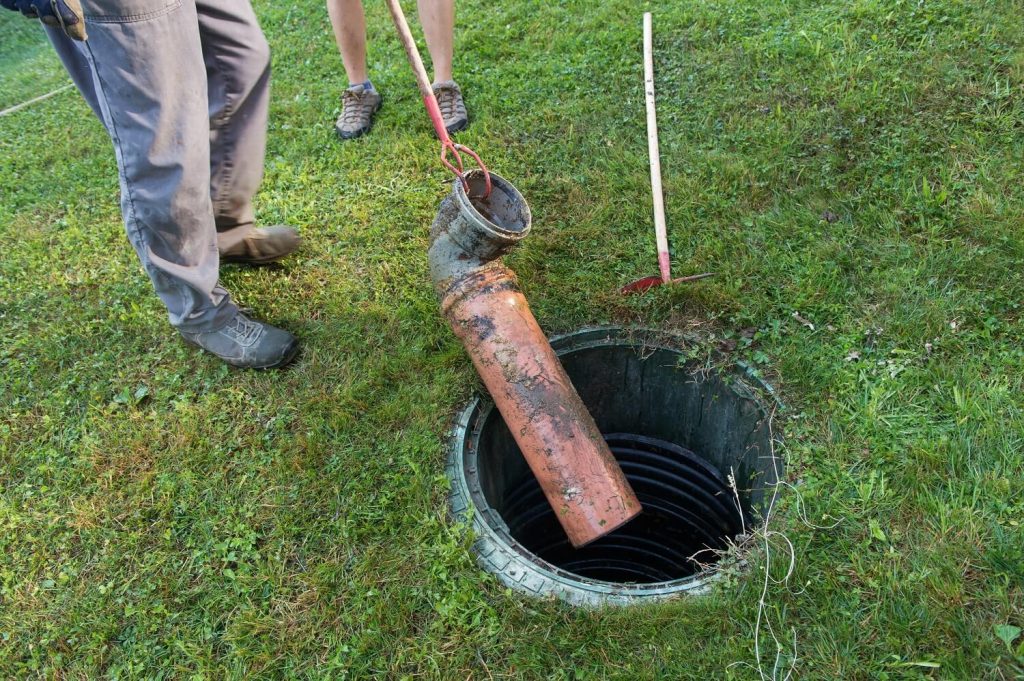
470	234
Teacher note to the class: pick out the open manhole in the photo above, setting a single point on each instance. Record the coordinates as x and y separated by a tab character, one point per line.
679	430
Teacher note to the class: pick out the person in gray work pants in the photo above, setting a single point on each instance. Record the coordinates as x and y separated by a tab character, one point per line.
182	87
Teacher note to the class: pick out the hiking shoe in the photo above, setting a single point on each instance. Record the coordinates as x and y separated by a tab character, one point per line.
247	343
358	105
262	245
453	109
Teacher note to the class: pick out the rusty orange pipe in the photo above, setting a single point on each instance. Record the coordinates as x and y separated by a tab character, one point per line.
481	299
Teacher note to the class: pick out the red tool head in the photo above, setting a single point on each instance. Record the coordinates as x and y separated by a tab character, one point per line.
451	148
647	283
447	146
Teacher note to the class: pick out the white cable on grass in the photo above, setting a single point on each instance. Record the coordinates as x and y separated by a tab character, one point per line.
19	107
761	602
766	534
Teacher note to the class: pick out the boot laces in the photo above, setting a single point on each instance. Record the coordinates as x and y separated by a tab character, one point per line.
242	330
448	101
355	106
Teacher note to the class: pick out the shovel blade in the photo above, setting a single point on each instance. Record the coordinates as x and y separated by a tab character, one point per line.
641	285
647	283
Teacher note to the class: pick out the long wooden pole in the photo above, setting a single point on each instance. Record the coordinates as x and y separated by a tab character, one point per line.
422	79
660	230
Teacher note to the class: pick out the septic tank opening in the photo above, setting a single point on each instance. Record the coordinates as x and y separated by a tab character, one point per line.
680	430
690	514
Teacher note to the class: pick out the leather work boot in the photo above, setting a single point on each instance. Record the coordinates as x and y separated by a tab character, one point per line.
453	109
247	343
262	245
358	106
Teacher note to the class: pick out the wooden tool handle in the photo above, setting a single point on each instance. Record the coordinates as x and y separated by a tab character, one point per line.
422	79
660	231
409	43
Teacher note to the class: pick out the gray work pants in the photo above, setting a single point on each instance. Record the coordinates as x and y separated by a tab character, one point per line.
182	87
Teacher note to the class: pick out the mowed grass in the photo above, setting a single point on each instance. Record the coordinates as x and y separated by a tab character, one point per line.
855	167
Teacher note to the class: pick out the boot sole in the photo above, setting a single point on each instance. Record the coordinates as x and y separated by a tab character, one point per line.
458	127
289	355
238	260
265	260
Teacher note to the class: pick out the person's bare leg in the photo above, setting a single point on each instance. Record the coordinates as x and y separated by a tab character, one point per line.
360	101
349	25
438	19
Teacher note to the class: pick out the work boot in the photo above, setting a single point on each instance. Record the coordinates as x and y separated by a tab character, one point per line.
358	106
453	109
247	343
261	245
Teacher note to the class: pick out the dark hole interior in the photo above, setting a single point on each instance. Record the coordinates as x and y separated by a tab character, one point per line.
503	207
678	433
689	511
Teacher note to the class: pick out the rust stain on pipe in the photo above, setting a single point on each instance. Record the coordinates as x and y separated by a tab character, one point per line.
481	299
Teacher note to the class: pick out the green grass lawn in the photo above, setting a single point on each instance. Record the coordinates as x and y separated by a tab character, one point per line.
859	165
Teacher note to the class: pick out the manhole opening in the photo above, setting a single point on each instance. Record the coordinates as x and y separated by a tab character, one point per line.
682	433
690	513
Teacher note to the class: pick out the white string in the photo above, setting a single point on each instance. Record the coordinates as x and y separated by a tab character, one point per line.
762	600
19	107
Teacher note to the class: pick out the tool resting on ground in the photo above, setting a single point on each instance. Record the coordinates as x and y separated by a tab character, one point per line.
660	230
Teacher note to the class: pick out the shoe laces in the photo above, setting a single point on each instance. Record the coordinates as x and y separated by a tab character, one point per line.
241	330
447	100
355	106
